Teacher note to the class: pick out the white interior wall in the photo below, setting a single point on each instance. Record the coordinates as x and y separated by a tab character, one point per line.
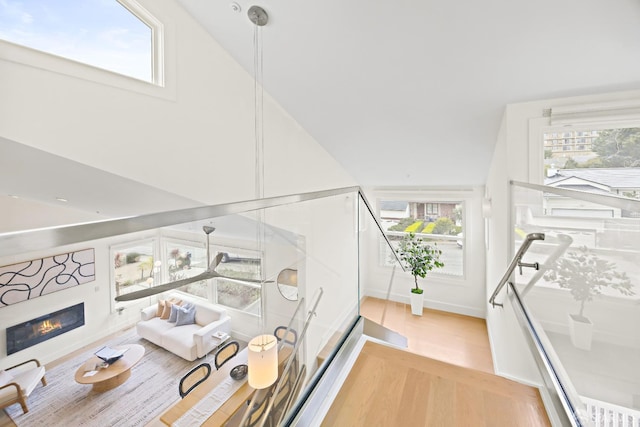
100	321
193	138
514	159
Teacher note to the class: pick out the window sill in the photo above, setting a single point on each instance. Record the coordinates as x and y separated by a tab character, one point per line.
45	61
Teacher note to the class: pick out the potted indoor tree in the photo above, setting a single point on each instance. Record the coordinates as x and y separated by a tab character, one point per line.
420	258
585	274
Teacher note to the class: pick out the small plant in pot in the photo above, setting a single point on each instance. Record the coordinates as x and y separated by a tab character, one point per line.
585	274
420	258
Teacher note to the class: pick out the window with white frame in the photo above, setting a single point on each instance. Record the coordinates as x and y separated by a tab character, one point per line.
438	222
185	259
598	159
239	272
231	290
135	266
118	36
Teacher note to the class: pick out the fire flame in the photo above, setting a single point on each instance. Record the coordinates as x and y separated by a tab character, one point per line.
48	326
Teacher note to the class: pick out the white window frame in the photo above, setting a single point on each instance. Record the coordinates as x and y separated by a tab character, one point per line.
579	117
217	248
158	274
465	197
159	87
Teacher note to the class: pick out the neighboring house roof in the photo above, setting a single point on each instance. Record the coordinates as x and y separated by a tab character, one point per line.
614	178
393	205
574	183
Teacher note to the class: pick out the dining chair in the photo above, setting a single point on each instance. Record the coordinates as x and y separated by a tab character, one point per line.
280	399
225	353
284	408
258	411
193	378
290	336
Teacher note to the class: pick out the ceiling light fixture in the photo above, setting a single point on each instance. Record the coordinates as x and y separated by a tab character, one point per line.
61	199
262	361
263	351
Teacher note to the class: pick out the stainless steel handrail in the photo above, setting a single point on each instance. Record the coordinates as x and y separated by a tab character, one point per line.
45	238
385	235
562	395
18	242
601	199
516	262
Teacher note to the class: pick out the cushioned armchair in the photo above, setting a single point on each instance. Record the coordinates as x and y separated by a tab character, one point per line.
17	383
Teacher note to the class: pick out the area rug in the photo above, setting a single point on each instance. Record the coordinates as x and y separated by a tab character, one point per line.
151	389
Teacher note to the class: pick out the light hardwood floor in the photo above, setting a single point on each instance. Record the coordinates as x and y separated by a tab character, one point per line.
453	338
390	387
445	378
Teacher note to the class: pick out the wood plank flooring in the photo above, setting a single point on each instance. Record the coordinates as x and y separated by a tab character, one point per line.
460	340
389	387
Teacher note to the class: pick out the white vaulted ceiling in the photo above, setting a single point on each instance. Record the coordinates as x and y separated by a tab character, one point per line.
401	93
412	92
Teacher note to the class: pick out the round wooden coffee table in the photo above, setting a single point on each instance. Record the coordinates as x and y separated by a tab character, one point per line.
116	374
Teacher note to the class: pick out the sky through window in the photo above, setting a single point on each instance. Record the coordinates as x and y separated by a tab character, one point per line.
102	33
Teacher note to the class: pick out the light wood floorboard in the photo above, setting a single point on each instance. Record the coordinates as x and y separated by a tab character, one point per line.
460	340
445	378
388	387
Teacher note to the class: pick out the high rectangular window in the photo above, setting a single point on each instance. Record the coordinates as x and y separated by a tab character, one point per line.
103	33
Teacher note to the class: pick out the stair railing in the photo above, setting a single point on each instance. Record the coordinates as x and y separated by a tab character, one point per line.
517	262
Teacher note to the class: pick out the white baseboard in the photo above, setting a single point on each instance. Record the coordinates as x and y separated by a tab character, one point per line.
435	305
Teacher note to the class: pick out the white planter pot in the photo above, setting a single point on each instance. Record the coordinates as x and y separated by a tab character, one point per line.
417	303
581	331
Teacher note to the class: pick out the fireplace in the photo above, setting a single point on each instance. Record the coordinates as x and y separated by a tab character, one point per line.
35	331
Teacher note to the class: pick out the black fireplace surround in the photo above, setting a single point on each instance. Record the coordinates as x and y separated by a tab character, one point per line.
43	328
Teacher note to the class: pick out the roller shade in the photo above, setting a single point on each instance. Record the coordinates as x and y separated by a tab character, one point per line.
610	112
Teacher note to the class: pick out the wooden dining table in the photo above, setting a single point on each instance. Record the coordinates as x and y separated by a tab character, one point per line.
232	403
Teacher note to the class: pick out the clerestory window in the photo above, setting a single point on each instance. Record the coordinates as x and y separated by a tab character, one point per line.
118	36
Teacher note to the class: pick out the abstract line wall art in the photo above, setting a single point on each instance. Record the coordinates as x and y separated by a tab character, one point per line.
31	279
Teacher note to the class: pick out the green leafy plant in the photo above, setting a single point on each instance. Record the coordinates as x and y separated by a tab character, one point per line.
443	225
419	257
585	275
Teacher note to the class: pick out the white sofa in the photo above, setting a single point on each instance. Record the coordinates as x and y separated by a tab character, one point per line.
187	341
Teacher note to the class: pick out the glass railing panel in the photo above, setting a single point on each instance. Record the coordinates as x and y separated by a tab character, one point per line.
376	250
292	264
585	296
267	267
362	231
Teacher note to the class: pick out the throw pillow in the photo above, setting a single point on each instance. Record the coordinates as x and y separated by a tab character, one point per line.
5	378
173	316
167	307
186	315
166	312
160	308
